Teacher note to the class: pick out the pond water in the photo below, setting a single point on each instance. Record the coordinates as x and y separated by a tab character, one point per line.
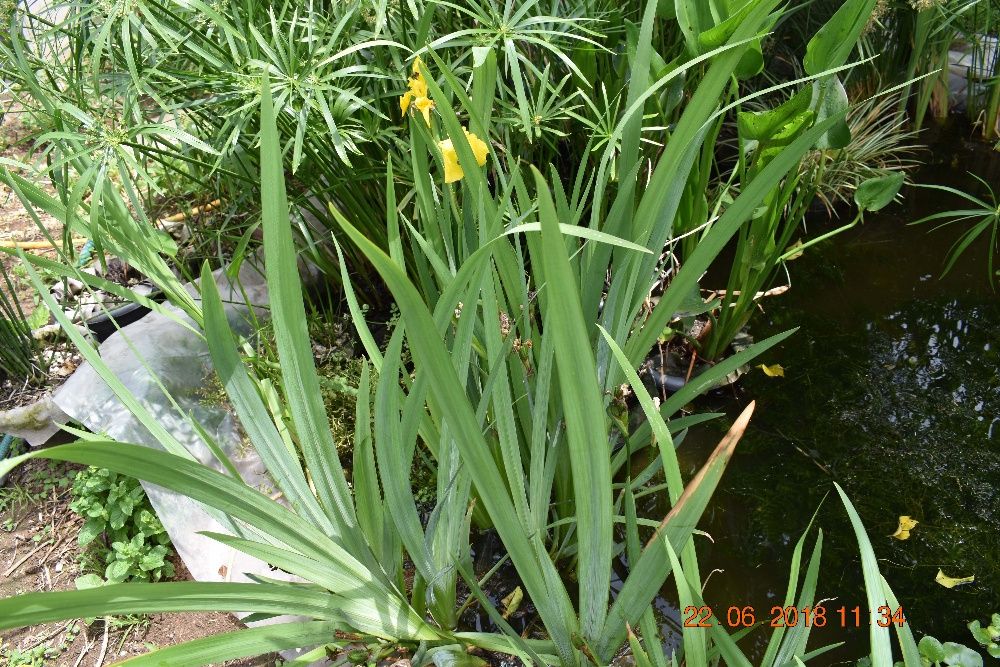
891	389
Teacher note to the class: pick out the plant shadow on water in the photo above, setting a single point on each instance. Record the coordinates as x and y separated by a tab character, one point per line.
891	389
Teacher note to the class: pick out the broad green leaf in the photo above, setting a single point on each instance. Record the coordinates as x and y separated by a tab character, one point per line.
876	193
832	44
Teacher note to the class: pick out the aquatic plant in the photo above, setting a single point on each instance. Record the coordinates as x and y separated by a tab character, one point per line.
982	216
513	392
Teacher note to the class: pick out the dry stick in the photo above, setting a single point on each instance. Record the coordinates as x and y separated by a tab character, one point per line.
47	637
21	562
104	643
86	649
36	245
178	217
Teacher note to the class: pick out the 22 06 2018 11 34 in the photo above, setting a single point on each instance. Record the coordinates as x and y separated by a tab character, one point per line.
789	617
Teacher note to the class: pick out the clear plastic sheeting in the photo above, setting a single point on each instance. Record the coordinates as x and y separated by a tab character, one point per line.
166	366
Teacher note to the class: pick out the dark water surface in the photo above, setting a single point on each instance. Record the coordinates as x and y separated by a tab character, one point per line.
891	389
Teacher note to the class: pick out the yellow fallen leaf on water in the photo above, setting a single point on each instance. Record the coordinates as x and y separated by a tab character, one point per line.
512	602
773	371
906	524
951	582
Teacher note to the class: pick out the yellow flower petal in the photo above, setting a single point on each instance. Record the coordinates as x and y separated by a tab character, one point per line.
452	169
479	147
417	62
951	582
404	101
418	86
424	106
773	371
906	524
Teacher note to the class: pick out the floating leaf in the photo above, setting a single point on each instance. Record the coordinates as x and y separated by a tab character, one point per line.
773	371
951	582
906	524
512	602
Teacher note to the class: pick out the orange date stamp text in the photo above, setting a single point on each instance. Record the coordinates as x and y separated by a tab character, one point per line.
790	617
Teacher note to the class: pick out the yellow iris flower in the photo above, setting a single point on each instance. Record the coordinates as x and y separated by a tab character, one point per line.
417	94
452	169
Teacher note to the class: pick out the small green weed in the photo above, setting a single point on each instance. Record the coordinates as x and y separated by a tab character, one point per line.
124	535
52	478
32	657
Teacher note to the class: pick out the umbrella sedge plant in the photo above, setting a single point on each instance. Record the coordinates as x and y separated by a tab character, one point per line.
521	360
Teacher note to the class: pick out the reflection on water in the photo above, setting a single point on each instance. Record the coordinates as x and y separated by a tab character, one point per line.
892	391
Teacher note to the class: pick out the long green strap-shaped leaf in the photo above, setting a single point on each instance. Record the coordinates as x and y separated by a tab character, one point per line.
451	403
795	642
250	642
175	596
722	231
654	216
881	646
793	582
388	617
723	642
911	653
649	573
282	464
298	372
232	497
586	422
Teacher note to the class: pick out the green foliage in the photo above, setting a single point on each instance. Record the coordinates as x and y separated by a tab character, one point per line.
521	267
988	637
934	653
33	657
982	217
121	529
20	357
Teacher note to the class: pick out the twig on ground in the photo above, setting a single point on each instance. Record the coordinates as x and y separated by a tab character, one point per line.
47	637
86	649
104	643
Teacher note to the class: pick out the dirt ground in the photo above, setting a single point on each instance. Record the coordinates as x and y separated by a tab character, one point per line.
38	532
39	552
16	224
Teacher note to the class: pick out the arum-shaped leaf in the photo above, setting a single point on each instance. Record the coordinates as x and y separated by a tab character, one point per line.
829	99
876	193
931	649
773	371
832	44
951	582
906	524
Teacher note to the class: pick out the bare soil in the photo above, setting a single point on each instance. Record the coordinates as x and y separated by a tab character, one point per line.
17	224
39	552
